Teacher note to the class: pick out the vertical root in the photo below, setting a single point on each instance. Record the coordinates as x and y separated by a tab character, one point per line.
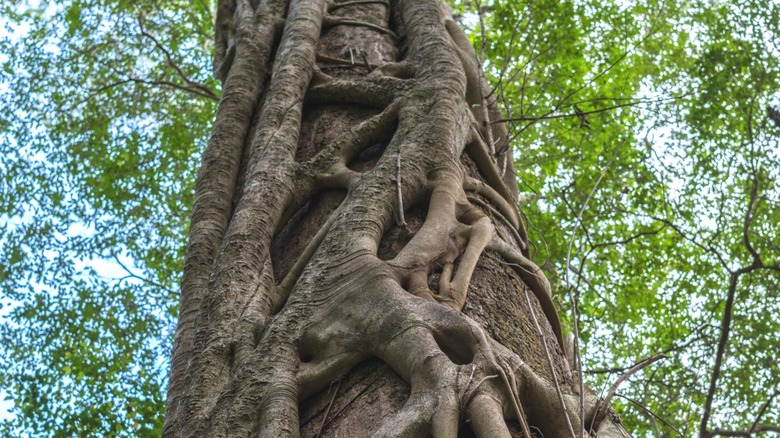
479	235
487	418
401	219
282	292
478	151
445	278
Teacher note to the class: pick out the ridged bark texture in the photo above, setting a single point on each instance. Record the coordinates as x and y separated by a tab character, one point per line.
357	264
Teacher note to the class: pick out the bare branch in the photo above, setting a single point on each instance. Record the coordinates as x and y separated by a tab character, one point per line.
95	91
724	336
665	352
752	203
637	367
727	311
598	76
706	247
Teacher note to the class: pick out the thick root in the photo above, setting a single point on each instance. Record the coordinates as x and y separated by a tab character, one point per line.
456	372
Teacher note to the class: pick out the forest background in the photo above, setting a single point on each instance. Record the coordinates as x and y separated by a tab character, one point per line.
645	142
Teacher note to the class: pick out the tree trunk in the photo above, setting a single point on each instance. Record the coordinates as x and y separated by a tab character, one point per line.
356	263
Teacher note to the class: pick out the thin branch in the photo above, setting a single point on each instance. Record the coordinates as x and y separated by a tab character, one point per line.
671	349
761	412
706	247
595	78
511	48
634	369
174	85
576	352
578	114
628	240
131	274
95	91
327	410
724	337
649	412
204	90
727	311
749	219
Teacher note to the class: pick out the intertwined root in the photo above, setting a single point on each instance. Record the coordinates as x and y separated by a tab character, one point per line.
455	371
250	345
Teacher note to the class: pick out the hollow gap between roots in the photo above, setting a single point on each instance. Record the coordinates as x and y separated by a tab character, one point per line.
324	124
456	350
367	158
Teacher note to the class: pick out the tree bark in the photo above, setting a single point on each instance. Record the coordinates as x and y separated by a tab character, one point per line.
356	263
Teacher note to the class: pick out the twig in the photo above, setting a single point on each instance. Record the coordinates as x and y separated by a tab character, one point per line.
549	116
598	76
745	433
95	91
666	351
176	86
508	56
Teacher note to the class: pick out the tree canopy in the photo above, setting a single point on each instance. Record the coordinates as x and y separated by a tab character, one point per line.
645	139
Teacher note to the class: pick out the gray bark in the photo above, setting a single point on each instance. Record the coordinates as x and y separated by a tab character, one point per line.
357	264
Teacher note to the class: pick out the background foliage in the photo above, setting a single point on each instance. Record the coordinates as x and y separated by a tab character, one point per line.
643	143
100	142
